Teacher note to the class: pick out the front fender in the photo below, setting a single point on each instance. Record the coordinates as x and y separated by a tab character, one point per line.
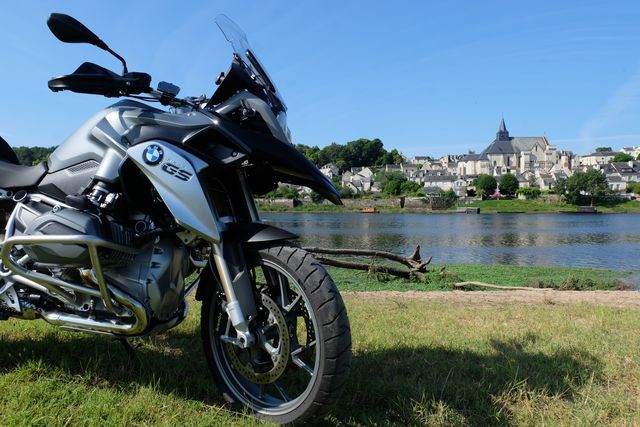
240	235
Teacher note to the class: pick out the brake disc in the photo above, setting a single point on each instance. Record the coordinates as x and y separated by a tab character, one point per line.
279	354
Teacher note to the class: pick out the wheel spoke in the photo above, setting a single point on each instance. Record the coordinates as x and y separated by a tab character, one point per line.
282	391
284	294
288	308
295	357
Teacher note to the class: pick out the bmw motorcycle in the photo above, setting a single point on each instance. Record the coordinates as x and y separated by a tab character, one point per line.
104	236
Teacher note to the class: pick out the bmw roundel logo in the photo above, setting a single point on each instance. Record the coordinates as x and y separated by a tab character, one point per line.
153	154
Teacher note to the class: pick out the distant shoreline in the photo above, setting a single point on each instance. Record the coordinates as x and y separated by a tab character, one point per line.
486	207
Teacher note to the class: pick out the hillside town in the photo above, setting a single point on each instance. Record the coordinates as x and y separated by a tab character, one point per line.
532	159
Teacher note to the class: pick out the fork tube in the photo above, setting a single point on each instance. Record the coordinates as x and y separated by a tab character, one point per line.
239	322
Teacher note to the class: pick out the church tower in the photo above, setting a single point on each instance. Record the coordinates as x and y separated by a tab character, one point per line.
503	133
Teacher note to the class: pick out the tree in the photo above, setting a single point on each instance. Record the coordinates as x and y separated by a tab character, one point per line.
33	155
284	192
386	181
346	193
316	197
508	184
393	188
530	192
560	186
591	184
361	152
410	188
621	157
485	185
633	187
603	149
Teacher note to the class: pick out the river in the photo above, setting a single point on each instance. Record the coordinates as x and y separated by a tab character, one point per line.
570	240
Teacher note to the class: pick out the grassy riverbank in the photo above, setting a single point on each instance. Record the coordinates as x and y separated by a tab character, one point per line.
486	207
505	275
534	206
415	363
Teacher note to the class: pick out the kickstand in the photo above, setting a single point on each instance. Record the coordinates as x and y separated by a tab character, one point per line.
131	351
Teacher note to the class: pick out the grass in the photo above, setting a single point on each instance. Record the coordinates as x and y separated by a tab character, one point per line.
547	277
486	206
529	206
415	363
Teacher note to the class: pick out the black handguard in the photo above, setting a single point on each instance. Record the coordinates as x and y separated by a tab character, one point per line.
94	79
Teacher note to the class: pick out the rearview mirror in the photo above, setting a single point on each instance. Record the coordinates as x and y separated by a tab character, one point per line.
70	30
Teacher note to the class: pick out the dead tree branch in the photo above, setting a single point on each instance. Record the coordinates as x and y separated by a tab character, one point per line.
371	268
413	261
417	267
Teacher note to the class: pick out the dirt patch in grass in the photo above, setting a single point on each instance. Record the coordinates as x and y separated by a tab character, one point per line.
493	298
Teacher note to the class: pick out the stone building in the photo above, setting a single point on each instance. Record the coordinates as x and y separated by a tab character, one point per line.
516	155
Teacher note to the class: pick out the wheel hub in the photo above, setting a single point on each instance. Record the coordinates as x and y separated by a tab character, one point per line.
272	339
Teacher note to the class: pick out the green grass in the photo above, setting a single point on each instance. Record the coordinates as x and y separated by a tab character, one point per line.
547	277
516	205
486	206
529	206
415	363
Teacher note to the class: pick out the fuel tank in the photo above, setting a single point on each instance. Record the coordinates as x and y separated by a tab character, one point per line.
99	146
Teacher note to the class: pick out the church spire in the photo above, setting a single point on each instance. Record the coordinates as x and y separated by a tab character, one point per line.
503	133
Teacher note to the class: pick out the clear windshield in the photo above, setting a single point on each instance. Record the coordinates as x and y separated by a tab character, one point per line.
238	39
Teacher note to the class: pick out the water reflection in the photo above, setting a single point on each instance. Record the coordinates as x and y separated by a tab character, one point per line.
603	241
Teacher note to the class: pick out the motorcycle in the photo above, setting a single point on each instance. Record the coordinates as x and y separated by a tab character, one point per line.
103	237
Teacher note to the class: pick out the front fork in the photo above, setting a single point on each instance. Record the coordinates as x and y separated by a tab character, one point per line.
233	307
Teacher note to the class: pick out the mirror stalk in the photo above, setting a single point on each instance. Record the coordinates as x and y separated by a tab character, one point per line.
124	63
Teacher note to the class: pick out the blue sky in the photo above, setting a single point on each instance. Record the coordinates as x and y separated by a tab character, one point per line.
425	77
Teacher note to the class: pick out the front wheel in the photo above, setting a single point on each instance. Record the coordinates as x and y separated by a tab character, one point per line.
300	362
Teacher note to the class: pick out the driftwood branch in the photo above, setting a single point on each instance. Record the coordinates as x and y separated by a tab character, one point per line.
412	261
417	267
371	268
490	286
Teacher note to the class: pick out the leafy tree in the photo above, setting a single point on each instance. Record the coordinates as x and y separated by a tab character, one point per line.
621	157
638	158
591	184
560	186
392	188
361	152
316	197
450	195
33	155
410	188
395	184
485	185
384	178
531	192
633	187
284	192
603	149
346	193
508	184
393	158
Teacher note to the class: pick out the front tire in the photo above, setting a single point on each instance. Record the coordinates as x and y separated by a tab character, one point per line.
301	363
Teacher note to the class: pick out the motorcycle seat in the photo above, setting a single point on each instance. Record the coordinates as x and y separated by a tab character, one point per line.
14	176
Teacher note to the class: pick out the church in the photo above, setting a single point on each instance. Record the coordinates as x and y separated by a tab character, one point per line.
518	155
